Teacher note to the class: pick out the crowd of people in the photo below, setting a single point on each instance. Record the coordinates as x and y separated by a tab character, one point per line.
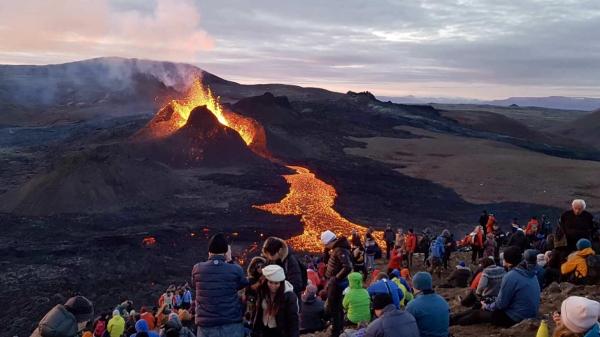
344	290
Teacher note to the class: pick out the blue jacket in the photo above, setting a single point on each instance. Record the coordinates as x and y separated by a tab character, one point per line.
593	332
386	286
187	297
393	322
519	295
432	314
217	284
142	326
438	247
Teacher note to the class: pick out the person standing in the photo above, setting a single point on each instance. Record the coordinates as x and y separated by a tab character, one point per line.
575	224
217	282
483	219
390	238
339	265
410	245
370	249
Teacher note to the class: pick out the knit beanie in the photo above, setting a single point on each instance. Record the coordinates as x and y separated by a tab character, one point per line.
541	260
217	244
583	244
530	256
381	301
327	236
274	273
513	255
422	281
579	314
81	308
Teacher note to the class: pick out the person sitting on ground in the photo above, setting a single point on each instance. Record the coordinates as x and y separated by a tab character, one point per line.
484	289
143	330
431	310
518	299
277	309
357	303
130	322
518	239
217	282
383	285
174	328
459	278
578	317
277	251
391	321
312	316
406	289
530	258
575	269
116	325
66	320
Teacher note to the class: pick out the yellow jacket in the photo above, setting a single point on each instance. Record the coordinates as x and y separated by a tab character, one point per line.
576	262
116	326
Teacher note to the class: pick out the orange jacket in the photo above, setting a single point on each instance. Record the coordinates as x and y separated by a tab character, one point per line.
576	263
395	260
490	224
149	318
410	242
478	240
475	281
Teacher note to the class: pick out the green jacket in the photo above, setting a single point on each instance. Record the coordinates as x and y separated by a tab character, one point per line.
357	303
408	296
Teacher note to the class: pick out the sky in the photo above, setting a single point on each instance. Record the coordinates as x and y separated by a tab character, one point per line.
444	48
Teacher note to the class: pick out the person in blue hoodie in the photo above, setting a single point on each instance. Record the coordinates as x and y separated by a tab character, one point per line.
518	299
383	285
431	310
142	326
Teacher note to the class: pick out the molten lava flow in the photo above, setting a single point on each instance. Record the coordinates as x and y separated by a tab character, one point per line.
313	200
309	197
149	241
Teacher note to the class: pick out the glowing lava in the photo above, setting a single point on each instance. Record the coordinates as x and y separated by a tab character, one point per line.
313	200
309	197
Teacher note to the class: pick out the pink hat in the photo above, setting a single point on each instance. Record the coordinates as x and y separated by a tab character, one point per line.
579	314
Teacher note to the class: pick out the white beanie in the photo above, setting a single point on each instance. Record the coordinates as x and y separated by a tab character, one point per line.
327	236
116	312
541	260
273	273
579	314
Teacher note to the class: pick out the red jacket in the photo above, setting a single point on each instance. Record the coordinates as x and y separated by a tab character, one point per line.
313	277
475	281
410	242
395	260
490	224
478	240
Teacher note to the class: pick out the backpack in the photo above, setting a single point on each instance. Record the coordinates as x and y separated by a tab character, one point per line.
593	264
100	328
437	247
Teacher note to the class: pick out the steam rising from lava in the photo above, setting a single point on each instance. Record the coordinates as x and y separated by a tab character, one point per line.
309	197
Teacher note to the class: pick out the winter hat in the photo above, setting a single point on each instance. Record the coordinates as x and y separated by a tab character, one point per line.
327	236
461	264
422	281
273	273
141	326
81	308
513	255
579	314
530	256
541	260
395	273
381	301
217	244
583	244
116	313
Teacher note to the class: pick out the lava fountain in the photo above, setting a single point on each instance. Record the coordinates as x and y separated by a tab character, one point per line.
309	197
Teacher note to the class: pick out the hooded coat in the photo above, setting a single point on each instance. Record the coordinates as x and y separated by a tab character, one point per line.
58	322
291	266
393	322
576	263
357	303
339	264
142	326
116	326
519	295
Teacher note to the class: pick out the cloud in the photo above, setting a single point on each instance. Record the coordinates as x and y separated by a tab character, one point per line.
55	31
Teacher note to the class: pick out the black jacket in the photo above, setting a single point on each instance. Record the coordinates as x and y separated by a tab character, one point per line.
339	264
389	236
312	315
518	239
287	317
576	227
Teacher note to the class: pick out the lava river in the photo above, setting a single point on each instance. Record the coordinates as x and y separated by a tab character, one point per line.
309	197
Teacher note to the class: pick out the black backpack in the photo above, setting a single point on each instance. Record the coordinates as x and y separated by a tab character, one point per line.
593	264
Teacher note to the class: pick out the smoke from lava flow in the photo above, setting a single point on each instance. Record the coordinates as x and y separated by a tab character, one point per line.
309	197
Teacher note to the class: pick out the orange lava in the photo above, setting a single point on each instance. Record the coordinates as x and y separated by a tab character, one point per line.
149	241
313	200
309	197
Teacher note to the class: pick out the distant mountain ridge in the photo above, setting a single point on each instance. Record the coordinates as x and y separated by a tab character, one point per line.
551	102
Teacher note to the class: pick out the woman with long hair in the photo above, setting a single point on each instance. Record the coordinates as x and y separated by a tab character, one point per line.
276	313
